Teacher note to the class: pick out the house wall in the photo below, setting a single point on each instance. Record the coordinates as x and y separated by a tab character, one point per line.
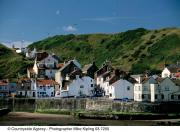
167	89
35	68
165	73
142	91
4	91
138	92
57	77
45	91
26	93
121	89
79	86
50	73
49	61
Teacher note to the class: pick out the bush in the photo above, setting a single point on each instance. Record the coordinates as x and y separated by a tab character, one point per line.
149	42
124	56
152	36
143	56
142	47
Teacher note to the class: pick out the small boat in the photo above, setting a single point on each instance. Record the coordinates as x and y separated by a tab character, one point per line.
4	111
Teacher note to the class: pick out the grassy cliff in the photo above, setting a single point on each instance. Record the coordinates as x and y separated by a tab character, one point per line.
135	50
11	63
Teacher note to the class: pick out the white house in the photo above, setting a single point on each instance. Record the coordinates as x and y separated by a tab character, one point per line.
80	86
4	88
66	69
25	87
157	90
171	71
142	90
45	88
46	68
31	54
166	89
121	89
102	82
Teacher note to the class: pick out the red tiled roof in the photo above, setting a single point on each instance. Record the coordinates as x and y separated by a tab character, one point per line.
60	65
3	82
46	82
178	75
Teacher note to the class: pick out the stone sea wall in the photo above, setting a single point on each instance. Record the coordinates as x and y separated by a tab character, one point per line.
91	104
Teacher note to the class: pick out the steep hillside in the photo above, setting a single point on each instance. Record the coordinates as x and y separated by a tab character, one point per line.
135	50
11	64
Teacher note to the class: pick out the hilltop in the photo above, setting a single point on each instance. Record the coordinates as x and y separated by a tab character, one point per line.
134	50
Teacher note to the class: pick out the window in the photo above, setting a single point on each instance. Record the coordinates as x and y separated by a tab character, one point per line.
128	88
81	86
110	95
52	93
50	71
145	88
149	96
178	96
166	88
92	85
155	96
139	88
139	96
172	96
162	96
142	96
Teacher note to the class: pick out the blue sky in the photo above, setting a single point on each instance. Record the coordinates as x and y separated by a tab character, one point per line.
26	21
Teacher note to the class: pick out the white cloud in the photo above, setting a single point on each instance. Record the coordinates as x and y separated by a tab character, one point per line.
17	44
57	12
69	28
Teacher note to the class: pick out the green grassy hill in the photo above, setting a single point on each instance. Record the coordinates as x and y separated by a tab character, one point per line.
11	63
135	50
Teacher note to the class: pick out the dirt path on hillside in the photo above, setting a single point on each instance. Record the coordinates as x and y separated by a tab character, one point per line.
25	118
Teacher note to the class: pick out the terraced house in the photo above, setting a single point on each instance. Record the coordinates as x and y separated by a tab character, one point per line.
157	90
4	88
45	66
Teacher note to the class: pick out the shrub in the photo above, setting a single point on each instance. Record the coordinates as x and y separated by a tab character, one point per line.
149	42
152	36
143	56
142	47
